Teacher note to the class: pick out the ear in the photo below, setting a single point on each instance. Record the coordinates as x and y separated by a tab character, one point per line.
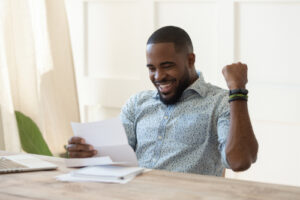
191	59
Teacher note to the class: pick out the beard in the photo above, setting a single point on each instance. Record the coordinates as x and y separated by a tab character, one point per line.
183	84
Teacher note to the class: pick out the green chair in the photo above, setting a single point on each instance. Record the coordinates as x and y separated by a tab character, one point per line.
31	137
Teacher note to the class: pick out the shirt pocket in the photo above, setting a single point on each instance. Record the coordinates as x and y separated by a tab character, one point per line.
191	129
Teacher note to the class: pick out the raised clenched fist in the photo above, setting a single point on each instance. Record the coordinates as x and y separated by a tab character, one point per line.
235	75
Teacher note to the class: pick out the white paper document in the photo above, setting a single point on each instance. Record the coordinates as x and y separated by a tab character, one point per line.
109	138
108	174
70	178
82	162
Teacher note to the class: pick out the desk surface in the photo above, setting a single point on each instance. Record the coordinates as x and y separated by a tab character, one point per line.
151	185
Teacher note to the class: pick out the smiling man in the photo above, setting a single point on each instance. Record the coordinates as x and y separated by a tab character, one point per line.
186	125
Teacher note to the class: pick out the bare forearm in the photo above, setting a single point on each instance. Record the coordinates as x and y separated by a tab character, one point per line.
241	148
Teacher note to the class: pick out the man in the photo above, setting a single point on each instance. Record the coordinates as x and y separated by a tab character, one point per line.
187	125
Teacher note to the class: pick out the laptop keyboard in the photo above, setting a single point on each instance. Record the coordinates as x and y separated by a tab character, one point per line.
7	165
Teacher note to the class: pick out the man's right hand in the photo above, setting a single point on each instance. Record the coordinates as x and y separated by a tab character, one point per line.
77	148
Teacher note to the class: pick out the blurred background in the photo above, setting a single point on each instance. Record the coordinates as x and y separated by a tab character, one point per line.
80	60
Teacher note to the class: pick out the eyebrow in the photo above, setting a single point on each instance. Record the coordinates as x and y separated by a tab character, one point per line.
167	63
149	65
163	63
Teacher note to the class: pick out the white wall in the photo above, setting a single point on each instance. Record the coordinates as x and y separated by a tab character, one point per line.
109	37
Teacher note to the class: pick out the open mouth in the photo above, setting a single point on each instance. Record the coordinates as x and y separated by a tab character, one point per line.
165	87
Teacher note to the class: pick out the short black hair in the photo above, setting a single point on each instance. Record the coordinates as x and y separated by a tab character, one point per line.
173	34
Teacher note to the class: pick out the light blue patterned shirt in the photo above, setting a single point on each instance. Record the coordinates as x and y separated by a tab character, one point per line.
189	136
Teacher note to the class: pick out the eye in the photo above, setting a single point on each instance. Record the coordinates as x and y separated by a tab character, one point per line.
151	68
168	66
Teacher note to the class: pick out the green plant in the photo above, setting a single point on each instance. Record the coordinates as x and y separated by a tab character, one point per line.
31	137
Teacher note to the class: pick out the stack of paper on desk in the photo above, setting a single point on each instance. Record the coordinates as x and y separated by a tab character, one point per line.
82	162
111	174
108	137
108	172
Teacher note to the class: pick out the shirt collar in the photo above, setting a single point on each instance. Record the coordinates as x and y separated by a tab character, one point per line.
198	86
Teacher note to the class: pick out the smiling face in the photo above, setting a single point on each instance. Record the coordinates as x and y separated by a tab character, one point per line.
171	72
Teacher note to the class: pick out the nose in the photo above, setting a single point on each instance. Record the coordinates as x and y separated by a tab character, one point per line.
159	75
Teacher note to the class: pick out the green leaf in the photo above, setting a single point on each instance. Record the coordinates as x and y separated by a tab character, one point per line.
31	137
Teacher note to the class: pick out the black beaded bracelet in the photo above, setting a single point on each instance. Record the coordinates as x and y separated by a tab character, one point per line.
238	91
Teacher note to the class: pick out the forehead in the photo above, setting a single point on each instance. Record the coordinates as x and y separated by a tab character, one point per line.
161	50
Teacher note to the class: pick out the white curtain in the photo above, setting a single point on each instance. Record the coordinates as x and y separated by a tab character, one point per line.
37	75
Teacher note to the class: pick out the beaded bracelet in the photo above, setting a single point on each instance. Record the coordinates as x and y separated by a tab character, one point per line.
235	97
238	91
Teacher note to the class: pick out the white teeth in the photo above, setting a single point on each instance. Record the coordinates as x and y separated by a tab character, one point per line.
165	87
165	84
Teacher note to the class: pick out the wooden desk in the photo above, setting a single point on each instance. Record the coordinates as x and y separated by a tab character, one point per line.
152	185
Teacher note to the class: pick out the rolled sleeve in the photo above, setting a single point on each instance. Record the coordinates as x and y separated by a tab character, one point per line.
127	117
223	129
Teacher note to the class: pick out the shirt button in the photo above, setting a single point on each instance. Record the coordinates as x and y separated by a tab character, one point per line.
165	117
159	137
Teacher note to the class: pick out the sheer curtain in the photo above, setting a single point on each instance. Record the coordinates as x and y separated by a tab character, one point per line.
37	75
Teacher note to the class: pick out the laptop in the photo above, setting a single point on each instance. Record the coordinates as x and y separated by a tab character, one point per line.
23	163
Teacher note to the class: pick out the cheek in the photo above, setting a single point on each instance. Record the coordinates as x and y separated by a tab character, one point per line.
151	76
177	75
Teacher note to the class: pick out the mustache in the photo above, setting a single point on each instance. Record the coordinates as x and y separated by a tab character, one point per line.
164	81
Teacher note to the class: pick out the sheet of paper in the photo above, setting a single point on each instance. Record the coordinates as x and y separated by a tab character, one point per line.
109	172
119	154
81	162
101	133
109	138
70	178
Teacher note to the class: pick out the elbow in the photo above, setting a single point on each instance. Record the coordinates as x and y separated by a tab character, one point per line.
241	162
240	166
242	159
